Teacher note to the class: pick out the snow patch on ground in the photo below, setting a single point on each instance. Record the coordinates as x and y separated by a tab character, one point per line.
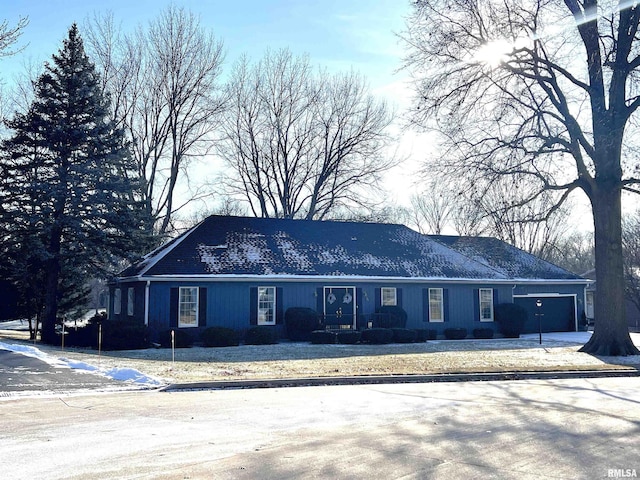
122	374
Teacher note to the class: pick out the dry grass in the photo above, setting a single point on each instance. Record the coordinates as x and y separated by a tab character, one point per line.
295	360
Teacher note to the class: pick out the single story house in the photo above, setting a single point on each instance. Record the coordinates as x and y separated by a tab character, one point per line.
238	271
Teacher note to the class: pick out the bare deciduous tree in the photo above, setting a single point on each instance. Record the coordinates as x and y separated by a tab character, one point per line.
163	81
9	35
547	91
302	144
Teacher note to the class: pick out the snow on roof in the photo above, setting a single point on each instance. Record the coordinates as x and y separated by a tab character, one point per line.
223	245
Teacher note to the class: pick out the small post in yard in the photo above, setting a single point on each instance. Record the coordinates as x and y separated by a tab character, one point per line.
99	338
62	337
173	348
539	315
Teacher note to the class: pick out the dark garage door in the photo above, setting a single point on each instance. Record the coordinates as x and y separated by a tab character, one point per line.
558	313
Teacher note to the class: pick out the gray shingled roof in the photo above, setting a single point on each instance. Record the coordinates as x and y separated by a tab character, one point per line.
257	246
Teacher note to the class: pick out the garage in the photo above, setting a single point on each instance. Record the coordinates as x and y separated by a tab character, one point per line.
557	312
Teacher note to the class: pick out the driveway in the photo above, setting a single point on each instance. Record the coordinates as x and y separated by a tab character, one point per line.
24	375
561	429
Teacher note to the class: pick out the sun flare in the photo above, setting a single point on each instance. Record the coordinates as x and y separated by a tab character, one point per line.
493	53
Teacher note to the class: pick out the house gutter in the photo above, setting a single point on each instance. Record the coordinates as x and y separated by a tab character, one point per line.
352	278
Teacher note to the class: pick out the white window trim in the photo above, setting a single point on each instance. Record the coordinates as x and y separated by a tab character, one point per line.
441	319
260	320
197	302
388	290
130	301
117	301
480	291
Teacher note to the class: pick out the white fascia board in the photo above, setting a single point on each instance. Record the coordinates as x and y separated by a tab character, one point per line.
168	250
353	278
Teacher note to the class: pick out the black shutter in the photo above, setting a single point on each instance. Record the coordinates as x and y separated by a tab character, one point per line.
378	299
445	304
279	306
202	307
359	311
399	297
425	304
173	308
495	302
476	305
320	300
253	306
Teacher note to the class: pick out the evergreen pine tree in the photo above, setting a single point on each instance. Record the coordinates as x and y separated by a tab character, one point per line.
67	185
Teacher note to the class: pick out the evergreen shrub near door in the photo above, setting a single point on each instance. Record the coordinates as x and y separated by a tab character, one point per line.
404	335
511	319
220	337
183	339
391	317
323	337
483	333
300	322
455	333
261	335
377	335
350	337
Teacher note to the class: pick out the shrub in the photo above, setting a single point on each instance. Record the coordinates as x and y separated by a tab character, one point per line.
261	335
322	337
349	337
377	335
404	335
220	337
183	339
124	335
483	333
392	317
455	333
86	336
300	322
422	335
511	319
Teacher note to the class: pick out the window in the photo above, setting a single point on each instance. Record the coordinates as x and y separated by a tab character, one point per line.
188	307
266	305
436	305
486	304
130	299
117	301
388	296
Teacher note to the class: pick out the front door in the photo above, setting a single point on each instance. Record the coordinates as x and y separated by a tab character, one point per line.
340	307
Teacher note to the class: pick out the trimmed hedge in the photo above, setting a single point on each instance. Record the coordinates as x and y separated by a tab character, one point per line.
124	335
183	339
220	337
404	335
116	335
261	335
455	333
484	333
511	319
349	337
393	317
377	335
323	337
300	322
422	335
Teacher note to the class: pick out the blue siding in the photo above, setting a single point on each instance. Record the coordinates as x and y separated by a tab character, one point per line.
228	303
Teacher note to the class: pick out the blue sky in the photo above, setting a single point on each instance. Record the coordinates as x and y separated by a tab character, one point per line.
340	35
337	34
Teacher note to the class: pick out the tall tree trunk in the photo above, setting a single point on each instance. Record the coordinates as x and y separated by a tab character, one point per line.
48	333
611	333
52	279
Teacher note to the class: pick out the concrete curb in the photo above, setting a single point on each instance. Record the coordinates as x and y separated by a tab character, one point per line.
390	379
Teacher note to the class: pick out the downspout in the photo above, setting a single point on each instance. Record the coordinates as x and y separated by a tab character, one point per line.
146	302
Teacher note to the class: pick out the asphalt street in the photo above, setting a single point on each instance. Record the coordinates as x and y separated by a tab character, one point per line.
24	375
527	429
